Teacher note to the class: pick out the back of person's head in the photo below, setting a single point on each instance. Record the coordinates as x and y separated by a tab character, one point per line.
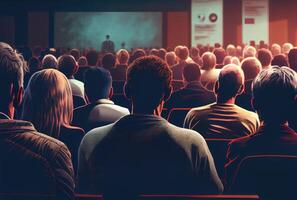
154	52
137	53
98	84
286	48
231	50
292	58
92	57
34	64
108	61
170	58
249	51
238	51
182	52
162	52
209	61
67	65
280	60
82	61
276	49
265	57
220	54
49	62
251	67
194	52
11	77
122	57
191	72
75	53
48	102
235	60
148	82
274	91
227	60
230	82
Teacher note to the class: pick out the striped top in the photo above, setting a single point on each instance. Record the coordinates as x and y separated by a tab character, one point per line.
222	121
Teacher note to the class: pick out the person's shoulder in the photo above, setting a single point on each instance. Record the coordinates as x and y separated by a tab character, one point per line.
121	109
201	110
95	136
246	113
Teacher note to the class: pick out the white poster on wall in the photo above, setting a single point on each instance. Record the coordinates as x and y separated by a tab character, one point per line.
207	22
255	21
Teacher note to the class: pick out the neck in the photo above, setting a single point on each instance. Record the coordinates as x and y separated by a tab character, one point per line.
144	110
226	101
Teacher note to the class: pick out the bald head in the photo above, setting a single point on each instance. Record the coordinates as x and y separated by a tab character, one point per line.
230	82
251	67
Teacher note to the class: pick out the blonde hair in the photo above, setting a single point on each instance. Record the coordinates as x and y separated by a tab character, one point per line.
48	102
122	56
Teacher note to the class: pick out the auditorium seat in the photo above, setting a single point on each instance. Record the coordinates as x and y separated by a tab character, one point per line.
177	116
271	176
218	148
177	84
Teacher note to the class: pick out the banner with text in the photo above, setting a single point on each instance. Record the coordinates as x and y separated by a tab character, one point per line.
207	22
255	21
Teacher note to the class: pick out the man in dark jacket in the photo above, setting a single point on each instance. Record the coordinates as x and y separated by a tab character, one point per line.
193	94
31	163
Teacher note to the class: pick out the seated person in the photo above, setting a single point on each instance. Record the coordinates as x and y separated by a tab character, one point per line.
49	62
193	94
209	74
182	53
142	153
224	119
274	91
92	58
265	58
101	110
48	105
220	54
30	162
119	73
68	66
251	68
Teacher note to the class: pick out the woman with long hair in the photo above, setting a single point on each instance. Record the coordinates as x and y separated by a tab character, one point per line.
48	105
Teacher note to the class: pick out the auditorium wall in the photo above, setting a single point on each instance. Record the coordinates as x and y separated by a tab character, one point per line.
282	16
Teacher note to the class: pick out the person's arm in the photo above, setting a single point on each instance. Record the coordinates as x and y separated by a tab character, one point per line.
206	174
64	174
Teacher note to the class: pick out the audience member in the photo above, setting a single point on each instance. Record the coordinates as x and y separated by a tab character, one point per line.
75	53
30	162
286	48
280	60
82	61
265	58
162	52
251	67
231	50
193	94
292	58
142	153
49	62
274	92
276	49
137	53
220	55
249	51
101	110
227	60
224	119
170	58
210	74
92	58
34	66
119	73
68	67
182	53
195	55
235	60
48	105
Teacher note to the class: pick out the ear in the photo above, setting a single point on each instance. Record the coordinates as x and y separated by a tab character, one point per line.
241	89
216	87
167	94
18	96
110	93
76	67
127	91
